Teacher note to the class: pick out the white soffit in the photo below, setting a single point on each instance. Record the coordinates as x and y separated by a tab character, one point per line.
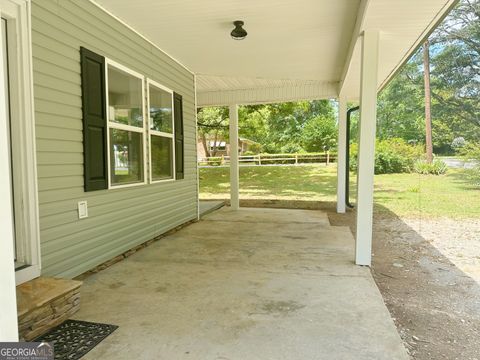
293	49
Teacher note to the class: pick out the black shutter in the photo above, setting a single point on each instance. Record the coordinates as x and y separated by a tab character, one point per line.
94	121
179	143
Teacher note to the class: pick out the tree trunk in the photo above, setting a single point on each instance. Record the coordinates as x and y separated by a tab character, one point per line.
428	102
214	150
205	146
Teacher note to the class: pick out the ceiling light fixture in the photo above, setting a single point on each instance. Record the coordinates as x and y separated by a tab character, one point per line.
239	32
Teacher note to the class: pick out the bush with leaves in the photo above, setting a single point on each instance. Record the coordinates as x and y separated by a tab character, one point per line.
291	149
391	156
215	161
436	167
458	143
471	153
255	148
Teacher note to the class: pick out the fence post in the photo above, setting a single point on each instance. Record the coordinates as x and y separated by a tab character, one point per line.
222	161
328	157
296	159
259	159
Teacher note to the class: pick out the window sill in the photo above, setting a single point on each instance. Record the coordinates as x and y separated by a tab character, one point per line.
162	181
113	187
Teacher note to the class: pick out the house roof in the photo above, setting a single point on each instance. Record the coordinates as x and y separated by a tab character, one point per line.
303	49
217	143
247	141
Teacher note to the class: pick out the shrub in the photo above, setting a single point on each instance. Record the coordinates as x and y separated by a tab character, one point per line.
255	148
437	167
391	156
471	153
389	162
275	159
215	161
291	148
353	157
458	143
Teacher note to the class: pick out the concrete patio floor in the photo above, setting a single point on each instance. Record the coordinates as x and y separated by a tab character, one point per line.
208	206
252	284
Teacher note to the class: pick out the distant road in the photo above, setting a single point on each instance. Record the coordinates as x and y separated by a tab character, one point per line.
458	163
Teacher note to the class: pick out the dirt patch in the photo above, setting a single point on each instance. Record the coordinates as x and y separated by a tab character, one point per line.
435	304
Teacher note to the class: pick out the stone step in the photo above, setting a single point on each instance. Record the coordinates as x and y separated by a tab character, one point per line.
44	303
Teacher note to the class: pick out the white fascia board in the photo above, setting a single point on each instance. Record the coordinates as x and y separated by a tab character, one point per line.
266	95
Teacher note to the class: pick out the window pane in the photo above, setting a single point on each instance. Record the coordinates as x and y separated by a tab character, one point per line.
162	157
160	110
126	157
124	98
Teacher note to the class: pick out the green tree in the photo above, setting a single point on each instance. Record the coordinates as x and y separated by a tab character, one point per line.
400	106
279	127
456	68
319	133
212	125
253	122
455	86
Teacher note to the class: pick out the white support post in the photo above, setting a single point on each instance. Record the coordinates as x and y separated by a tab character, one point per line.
234	171
196	148
341	154
8	300
366	149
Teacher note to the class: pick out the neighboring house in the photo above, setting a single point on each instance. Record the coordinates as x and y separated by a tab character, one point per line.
214	148
245	145
222	148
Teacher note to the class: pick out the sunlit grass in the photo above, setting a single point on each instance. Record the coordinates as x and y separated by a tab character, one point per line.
416	195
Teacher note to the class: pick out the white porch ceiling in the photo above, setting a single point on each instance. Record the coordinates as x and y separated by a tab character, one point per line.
301	49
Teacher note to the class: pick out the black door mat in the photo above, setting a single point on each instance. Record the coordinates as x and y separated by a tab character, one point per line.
72	339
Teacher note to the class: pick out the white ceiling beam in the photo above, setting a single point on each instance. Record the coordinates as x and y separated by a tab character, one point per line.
359	25
265	95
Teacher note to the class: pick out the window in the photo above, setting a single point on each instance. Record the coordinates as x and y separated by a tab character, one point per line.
126	126
160	111
118	126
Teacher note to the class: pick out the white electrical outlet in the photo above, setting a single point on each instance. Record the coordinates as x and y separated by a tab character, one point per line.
82	209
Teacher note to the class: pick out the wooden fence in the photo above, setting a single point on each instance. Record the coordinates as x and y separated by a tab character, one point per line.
271	159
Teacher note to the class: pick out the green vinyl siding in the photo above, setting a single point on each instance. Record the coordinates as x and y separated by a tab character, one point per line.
119	219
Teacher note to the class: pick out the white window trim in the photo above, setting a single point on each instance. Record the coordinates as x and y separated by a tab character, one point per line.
111	124
160	133
20	12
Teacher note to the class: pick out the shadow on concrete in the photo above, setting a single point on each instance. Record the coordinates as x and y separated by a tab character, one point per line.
435	305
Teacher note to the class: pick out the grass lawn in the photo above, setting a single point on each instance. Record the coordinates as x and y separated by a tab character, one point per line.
416	195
